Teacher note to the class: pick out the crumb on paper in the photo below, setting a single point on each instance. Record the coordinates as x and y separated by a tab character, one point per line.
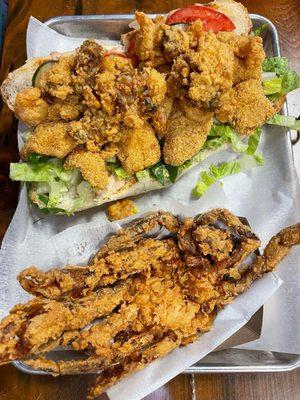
121	209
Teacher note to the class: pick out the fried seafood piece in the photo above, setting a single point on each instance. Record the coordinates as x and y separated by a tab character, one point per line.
50	139
57	80
130	235
245	107
148	39
138	149
91	165
248	55
40	325
121	209
74	281
159	119
203	73
30	107
187	130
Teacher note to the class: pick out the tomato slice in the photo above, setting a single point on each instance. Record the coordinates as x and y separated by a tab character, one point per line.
211	19
115	53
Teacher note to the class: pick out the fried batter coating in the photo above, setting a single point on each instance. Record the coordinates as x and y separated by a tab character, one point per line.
50	139
138	149
71	282
30	107
245	107
40	324
248	55
148	38
91	165
206	72
187	130
160	118
57	80
121	209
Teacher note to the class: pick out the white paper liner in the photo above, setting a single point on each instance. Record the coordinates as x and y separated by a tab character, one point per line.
267	196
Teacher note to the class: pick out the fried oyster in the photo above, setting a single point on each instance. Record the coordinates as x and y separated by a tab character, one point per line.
141	297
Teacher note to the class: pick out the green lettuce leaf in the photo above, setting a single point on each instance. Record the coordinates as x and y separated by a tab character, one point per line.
173	172
258	31
118	170
285	121
272	86
215	173
159	172
221	134
141	175
290	80
279	65
43	171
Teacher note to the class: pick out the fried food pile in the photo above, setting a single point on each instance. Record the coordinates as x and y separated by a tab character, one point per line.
141	296
157	101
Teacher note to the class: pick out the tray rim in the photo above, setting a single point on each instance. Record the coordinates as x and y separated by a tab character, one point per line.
194	369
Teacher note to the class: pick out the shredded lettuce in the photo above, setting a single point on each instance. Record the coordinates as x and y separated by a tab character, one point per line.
159	172
286	80
214	174
285	121
142	175
55	189
39	171
220	134
258	31
251	158
116	167
173	172
279	65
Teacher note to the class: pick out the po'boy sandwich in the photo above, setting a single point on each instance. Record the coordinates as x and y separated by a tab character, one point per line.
104	125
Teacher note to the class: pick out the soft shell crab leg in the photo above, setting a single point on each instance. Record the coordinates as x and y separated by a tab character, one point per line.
70	283
41	325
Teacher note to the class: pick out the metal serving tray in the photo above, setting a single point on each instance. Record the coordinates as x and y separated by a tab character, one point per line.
230	360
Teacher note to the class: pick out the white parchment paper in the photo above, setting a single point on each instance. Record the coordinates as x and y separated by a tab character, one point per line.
267	196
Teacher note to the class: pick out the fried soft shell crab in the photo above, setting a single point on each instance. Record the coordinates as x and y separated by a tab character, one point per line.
143	295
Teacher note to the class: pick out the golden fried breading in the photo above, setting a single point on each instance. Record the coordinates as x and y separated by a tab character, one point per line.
175	42
50	139
187	130
62	111
121	209
30	107
160	117
91	165
57	80
245	107
248	55
148	38
138	149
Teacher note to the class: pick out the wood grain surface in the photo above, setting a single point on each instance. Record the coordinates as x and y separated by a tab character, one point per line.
17	386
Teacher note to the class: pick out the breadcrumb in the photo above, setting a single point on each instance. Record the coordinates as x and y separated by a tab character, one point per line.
121	209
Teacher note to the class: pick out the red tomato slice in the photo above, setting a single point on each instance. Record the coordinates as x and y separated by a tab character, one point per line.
211	19
115	53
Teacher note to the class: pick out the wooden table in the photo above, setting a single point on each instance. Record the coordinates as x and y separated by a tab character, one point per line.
17	386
